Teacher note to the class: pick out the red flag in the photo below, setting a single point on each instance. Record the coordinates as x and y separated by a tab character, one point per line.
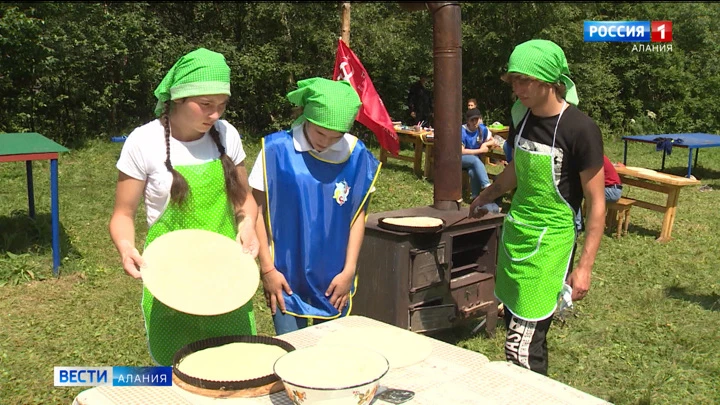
372	113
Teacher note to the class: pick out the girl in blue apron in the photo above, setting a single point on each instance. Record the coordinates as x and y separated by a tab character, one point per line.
315	182
188	164
557	160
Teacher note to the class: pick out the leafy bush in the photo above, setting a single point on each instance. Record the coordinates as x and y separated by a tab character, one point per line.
76	71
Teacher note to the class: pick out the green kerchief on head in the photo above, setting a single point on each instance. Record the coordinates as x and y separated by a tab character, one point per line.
330	104
543	60
198	73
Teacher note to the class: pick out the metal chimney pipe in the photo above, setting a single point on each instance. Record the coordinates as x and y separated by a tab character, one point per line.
447	100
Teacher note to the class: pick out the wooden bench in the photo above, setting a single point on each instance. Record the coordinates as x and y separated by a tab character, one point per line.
663	183
618	214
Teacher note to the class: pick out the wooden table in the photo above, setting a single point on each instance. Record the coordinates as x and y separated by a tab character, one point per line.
660	182
503	132
449	375
408	136
423	142
18	147
497	153
429	150
430	156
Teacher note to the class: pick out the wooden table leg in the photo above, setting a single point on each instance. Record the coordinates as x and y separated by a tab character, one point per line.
428	161
418	157
669	217
627	222
383	156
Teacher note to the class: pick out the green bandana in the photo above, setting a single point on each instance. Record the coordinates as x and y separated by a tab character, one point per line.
330	104
200	72
543	60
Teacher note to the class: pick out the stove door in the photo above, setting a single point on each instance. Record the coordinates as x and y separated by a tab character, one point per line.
426	317
428	267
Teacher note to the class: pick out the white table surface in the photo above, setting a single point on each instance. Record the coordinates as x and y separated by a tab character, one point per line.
449	375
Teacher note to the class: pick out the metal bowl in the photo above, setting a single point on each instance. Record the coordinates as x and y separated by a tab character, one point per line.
331	374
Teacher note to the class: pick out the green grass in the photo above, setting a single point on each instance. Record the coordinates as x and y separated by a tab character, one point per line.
646	334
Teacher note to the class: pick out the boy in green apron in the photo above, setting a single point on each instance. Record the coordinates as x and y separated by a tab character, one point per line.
557	160
188	164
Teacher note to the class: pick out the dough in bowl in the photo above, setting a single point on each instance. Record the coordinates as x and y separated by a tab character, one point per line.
331	366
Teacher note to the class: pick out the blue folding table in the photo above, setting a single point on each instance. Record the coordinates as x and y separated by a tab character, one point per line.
690	141
33	146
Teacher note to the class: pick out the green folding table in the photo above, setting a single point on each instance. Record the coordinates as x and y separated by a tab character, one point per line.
31	146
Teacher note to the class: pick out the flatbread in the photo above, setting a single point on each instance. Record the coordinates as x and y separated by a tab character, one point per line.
401	347
415	222
238	361
199	272
331	366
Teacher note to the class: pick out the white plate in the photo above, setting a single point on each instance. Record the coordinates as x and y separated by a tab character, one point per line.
401	347
199	272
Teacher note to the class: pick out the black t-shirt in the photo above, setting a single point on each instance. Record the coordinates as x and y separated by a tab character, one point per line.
579	146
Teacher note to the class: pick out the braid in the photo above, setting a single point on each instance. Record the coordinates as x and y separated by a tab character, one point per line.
179	189
166	126
234	188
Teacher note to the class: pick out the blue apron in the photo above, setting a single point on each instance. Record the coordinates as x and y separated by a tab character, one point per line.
311	206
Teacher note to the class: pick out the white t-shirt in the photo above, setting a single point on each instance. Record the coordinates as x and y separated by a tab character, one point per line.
338	152
144	152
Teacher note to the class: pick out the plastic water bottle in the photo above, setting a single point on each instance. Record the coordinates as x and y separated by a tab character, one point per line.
119	138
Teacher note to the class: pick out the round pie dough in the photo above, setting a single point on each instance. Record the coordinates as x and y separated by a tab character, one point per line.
199	272
417	222
401	347
331	366
238	361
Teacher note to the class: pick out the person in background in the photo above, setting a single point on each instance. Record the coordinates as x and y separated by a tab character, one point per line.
557	161
508	151
188	164
313	183
613	184
475	142
613	189
472	103
420	102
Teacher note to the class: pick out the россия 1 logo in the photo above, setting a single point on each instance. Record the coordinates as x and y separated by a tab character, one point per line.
659	32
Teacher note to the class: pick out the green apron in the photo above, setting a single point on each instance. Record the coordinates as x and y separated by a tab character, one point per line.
208	208
538	237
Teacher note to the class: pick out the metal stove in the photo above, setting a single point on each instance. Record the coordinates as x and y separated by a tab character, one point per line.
429	281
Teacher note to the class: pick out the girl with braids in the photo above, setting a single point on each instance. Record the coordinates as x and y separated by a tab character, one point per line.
189	166
314	181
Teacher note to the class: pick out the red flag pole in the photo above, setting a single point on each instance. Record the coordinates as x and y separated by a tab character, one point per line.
373	113
345	22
